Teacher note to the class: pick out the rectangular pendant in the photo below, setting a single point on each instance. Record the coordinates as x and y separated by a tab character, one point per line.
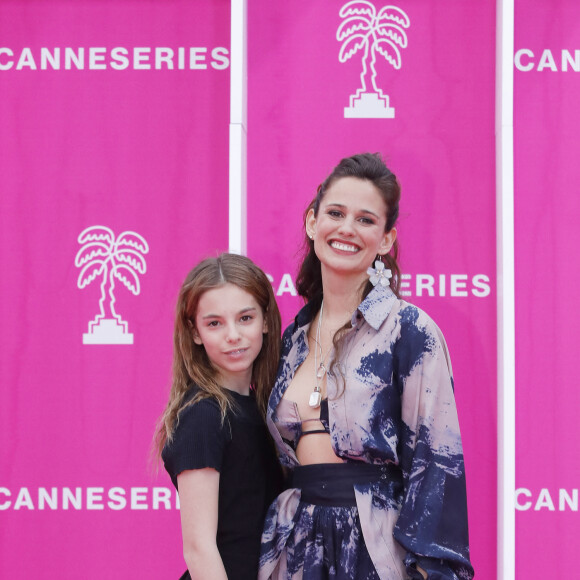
315	399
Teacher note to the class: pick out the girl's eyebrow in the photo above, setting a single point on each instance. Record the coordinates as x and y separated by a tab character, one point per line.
242	311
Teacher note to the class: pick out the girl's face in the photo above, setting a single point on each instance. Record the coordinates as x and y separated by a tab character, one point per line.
349	230
230	324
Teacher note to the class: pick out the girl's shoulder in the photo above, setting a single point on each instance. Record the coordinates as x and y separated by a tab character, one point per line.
199	437
199	411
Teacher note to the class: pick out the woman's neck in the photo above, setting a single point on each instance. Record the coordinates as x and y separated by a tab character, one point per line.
342	295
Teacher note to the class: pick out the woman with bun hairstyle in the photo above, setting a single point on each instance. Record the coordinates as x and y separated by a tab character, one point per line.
363	410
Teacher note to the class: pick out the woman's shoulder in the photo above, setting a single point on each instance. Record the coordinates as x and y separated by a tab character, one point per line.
412	316
288	338
289	331
303	318
418	333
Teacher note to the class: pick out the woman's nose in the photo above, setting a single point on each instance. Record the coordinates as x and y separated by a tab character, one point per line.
346	227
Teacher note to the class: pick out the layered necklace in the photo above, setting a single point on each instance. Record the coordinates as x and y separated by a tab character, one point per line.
319	370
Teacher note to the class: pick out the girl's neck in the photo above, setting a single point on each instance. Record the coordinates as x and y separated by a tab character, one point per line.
235	383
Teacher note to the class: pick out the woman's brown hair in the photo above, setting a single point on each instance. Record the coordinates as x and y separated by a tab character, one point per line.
367	167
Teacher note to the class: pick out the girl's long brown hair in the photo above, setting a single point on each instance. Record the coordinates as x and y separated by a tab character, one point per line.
191	365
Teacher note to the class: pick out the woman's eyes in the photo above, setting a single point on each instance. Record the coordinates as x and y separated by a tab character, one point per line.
334	213
246	318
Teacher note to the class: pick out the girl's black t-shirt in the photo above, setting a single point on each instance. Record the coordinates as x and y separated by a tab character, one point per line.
242	451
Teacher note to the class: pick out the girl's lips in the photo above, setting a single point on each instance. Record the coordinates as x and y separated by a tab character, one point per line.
344	246
236	351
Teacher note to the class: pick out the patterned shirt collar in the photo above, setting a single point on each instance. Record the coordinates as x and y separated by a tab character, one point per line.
376	306
374	309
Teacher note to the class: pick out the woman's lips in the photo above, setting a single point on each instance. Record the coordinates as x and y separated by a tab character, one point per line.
344	246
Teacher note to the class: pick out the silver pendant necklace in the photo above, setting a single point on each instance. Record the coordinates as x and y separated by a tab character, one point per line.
319	370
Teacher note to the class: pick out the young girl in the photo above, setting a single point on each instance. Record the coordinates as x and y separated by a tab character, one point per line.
212	436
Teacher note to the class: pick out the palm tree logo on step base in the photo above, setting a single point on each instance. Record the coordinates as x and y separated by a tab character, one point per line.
381	34
111	258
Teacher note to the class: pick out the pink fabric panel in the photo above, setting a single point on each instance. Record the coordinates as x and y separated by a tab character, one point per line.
547	178
140	148
440	144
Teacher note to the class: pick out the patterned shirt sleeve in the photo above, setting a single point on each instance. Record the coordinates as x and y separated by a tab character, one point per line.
432	525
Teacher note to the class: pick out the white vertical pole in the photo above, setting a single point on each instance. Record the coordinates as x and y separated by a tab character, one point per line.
505	289
238	133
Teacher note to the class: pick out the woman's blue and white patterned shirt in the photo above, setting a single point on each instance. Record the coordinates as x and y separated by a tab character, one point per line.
391	401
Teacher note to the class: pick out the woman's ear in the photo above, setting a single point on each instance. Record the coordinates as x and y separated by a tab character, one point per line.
387	241
310	223
265	326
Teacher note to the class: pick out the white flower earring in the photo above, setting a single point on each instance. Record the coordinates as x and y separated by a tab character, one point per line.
379	274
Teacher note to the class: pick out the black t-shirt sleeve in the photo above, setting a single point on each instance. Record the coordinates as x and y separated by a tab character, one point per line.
199	440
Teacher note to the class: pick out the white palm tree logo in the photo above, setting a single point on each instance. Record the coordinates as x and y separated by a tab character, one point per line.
377	33
112	259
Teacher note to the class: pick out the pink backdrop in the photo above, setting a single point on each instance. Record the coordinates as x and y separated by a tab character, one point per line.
136	141
440	144
143	150
547	178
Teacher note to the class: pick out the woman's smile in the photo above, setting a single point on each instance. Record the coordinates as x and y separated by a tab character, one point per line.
344	247
349	229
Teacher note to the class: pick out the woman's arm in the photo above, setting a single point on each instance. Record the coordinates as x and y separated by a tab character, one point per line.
432	524
198	500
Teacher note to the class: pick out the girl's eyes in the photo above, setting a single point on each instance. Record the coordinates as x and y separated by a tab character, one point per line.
216	323
334	213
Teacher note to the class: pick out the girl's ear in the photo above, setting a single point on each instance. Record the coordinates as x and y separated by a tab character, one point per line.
265	326
196	337
194	333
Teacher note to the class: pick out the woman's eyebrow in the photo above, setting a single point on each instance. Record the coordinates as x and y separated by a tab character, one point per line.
342	206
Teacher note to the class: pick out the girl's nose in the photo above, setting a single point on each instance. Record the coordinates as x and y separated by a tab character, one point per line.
233	334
